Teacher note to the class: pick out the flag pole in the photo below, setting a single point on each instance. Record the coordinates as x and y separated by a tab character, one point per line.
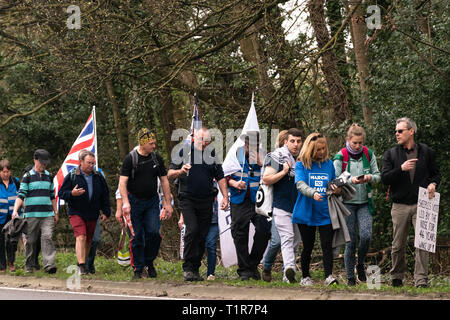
95	136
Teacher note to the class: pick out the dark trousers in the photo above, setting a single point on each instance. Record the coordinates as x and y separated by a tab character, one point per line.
197	214
308	234
146	224
241	216
8	246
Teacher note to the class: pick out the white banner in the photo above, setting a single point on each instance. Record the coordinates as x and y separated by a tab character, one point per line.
227	248
426	221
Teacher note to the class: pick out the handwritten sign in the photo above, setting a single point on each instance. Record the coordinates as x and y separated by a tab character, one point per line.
426	221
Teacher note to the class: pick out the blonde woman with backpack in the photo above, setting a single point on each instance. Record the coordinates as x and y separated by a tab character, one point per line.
361	163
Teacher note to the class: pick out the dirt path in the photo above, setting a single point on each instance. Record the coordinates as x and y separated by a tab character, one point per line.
205	290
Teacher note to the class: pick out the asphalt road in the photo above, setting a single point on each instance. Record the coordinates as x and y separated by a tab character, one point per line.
7	293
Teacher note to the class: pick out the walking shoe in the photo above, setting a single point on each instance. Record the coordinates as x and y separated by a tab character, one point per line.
267	275
290	275
11	266
306	282
211	277
351	282
255	275
91	269
245	275
83	269
137	275
198	277
330	280
192	276
361	273
422	285
51	270
151	271
397	282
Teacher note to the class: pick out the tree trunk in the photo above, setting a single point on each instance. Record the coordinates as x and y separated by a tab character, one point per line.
358	35
120	130
338	96
335	19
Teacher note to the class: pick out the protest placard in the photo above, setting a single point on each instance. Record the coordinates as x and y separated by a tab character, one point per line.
426	221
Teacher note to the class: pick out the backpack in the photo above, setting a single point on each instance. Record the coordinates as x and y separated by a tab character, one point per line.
368	153
134	162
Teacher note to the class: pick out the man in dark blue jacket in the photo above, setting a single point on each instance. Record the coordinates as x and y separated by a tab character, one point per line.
87	194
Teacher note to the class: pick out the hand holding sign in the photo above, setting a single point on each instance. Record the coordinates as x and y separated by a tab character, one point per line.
427	220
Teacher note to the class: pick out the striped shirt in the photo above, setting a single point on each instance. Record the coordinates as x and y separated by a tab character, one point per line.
37	192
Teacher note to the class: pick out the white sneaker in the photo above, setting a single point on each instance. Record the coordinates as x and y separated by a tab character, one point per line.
306	282
330	280
211	277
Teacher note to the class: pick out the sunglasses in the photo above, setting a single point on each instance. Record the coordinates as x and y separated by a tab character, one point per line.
400	131
316	137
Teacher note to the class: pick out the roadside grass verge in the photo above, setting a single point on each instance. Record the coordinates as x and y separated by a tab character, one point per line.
172	272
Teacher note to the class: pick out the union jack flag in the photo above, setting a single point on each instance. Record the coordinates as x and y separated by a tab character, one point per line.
86	140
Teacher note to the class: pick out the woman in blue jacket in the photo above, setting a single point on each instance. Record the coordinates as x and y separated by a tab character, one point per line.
313	172
9	186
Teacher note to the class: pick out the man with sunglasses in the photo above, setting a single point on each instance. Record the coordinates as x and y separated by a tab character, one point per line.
407	167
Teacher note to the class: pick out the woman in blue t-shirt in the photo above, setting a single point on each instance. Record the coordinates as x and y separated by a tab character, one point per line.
313	171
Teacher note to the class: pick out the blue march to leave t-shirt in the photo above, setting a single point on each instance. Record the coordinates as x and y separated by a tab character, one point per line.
306	210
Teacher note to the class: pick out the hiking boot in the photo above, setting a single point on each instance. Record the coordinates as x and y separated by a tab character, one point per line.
137	275
330	280
361	273
422	285
397	282
306	282
351	282
267	275
290	275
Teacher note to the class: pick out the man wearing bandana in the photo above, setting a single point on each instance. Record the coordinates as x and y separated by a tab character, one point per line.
138	189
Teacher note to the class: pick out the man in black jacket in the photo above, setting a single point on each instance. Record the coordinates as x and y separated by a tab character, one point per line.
87	193
407	167
196	196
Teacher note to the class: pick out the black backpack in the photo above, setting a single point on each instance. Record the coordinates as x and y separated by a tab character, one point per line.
134	162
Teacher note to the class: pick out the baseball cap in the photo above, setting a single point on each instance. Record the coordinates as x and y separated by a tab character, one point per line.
42	156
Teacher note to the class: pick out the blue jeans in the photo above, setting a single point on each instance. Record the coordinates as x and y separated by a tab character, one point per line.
360	216
146	224
272	250
211	247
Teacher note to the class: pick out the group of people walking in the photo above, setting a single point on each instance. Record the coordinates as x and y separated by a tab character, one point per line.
304	182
